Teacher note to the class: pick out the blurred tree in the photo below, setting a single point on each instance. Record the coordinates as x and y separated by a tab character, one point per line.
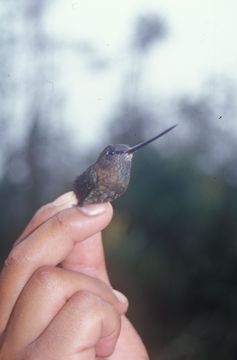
149	29
130	121
34	151
34	172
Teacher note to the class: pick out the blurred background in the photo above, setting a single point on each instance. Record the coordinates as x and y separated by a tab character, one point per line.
78	75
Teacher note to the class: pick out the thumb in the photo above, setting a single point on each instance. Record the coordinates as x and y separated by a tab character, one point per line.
88	256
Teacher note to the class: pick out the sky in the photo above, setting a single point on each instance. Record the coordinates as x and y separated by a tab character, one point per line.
199	46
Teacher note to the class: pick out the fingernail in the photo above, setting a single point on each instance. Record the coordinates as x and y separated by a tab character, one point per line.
95	209
67	198
121	298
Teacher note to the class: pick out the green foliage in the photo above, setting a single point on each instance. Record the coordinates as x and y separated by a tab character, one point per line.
179	246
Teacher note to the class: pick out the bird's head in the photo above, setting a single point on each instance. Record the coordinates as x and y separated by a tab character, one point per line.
114	154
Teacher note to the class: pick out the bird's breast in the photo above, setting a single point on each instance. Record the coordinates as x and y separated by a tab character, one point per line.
115	178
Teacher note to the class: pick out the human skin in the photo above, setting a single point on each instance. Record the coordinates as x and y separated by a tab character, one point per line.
56	301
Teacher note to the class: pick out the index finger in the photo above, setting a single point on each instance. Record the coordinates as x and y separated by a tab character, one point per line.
49	244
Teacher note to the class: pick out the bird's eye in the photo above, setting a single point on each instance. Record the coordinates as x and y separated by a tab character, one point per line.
110	152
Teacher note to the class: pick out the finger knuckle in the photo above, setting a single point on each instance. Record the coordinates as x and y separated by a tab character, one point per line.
60	221
48	277
92	304
44	211
14	260
86	299
11	261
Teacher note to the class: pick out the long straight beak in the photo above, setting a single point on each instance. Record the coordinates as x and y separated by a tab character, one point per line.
138	146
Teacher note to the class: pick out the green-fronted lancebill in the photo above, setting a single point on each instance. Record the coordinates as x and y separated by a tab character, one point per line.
109	176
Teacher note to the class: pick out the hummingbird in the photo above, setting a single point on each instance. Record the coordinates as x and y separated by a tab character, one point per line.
108	178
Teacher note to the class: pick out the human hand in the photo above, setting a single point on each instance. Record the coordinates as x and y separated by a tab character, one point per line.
55	297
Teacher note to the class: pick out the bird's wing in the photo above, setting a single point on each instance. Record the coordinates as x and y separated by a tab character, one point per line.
85	184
